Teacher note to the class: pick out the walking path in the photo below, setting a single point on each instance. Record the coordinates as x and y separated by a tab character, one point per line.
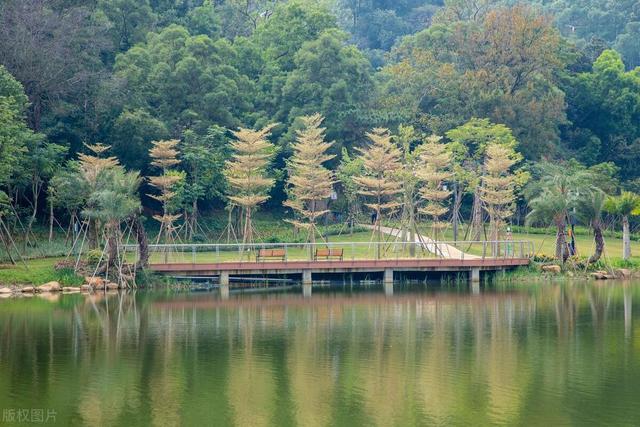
440	249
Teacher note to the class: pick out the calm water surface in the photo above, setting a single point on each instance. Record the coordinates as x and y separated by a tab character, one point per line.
530	355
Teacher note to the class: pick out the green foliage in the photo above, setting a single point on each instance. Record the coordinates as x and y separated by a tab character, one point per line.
332	79
68	189
625	204
93	256
182	81
502	67
130	21
605	112
554	191
133	132
115	195
15	136
203	158
291	25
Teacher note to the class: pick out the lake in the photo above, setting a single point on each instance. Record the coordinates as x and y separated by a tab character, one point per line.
552	354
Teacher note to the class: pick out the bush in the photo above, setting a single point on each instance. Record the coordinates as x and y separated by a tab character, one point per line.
93	256
543	258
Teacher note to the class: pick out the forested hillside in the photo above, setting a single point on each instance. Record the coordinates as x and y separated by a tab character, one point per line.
560	75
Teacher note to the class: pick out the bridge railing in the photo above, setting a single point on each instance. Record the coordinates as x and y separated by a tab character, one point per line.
199	253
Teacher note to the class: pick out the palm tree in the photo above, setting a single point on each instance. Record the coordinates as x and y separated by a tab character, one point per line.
553	195
624	205
589	208
114	199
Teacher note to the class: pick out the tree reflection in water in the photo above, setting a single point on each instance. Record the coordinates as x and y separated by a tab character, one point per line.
555	354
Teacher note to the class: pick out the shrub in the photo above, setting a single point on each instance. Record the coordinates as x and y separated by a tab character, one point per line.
93	256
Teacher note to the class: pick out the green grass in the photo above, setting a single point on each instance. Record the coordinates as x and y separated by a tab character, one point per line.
37	272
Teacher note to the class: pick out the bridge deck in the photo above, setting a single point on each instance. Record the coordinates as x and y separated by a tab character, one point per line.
334	266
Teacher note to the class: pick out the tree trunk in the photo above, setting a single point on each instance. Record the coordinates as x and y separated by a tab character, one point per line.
457	200
194	218
412	231
560	240
476	218
143	241
599	240
50	222
35	189
112	244
626	238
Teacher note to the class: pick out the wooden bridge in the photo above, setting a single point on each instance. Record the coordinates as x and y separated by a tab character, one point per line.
304	261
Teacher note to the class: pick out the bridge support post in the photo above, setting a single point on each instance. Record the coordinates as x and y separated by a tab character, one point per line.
224	278
388	276
306	277
474	275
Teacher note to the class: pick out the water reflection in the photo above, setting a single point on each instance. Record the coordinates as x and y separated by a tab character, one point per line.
553	354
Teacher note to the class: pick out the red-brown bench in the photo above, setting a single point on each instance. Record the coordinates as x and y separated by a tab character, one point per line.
328	254
265	254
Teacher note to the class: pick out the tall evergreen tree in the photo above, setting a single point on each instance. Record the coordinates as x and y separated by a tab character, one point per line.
310	182
380	183
247	174
433	172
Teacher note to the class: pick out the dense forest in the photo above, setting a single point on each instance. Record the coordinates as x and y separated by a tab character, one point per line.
557	76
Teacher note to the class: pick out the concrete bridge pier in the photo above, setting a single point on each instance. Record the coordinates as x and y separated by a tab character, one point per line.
224	278
474	275
306	277
388	276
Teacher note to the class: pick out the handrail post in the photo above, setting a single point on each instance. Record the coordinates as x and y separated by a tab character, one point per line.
193	253
521	249
217	252
353	252
484	249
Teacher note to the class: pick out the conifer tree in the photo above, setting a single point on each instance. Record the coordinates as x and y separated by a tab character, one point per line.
246	174
410	183
380	183
164	156
497	188
434	171
309	182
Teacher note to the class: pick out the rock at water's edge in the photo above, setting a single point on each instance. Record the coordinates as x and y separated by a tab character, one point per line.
553	268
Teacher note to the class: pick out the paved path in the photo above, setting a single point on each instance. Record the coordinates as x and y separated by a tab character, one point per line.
443	250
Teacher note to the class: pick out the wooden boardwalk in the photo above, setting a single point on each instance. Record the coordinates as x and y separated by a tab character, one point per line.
308	268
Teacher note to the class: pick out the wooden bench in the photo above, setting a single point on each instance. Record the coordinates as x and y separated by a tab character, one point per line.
264	254
328	254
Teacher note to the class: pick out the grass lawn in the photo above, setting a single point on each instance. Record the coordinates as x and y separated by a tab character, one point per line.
36	272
